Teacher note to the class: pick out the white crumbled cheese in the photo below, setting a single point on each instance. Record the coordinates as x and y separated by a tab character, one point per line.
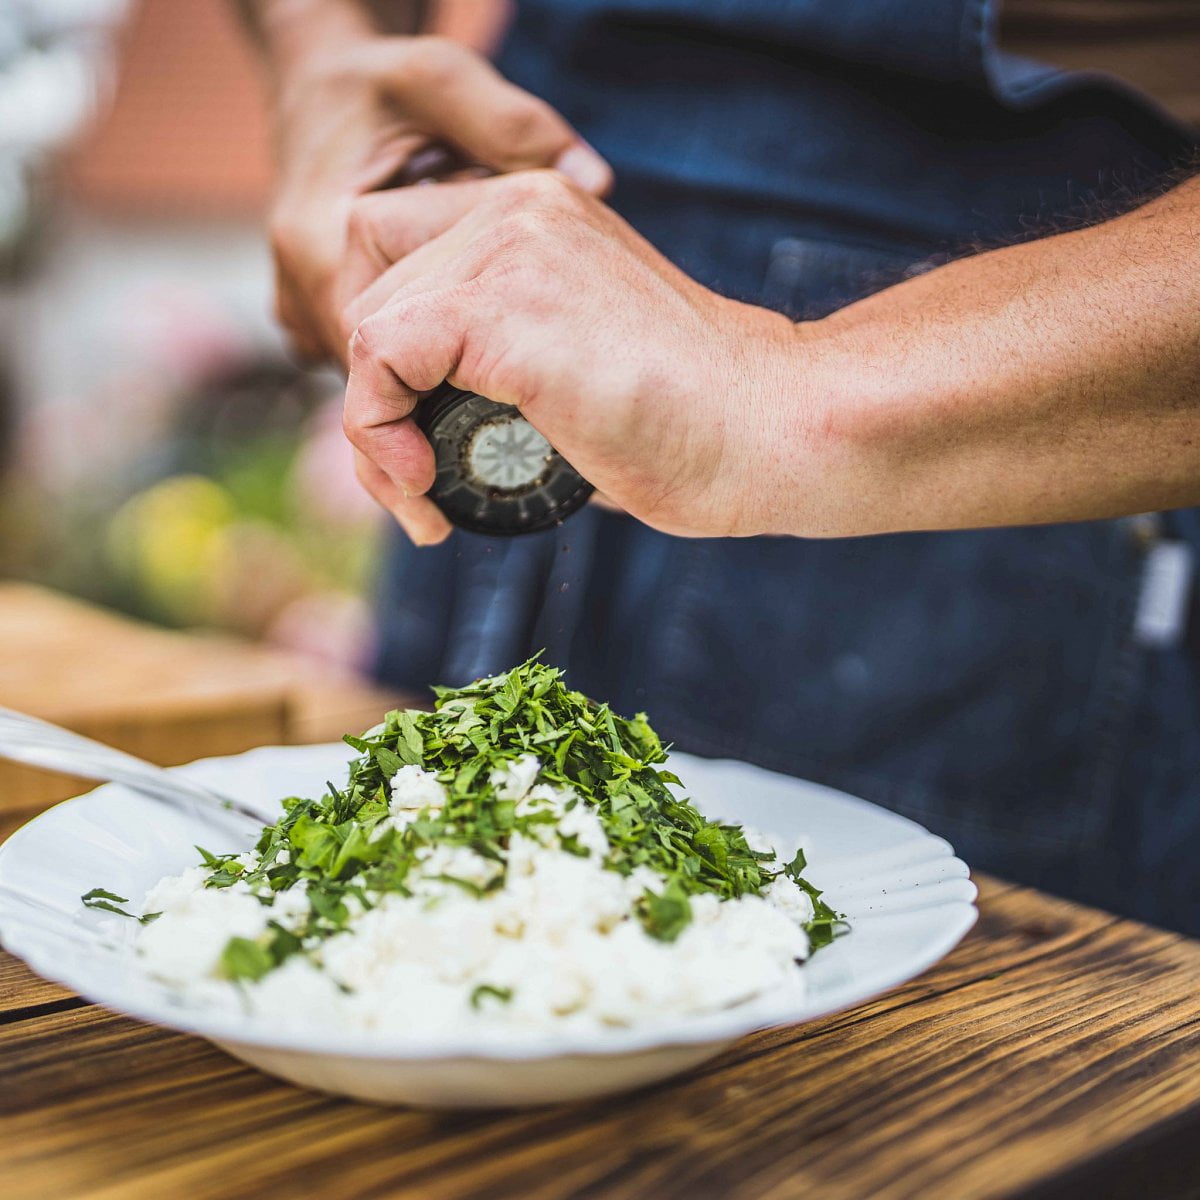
560	934
515	778
196	923
790	899
414	788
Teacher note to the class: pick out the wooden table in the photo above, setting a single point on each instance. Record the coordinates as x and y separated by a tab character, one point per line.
166	696
1054	1054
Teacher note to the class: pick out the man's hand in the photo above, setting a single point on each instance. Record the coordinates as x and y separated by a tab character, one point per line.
529	291
349	116
1056	380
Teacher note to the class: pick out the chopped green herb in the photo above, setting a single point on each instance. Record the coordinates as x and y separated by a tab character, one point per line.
246	959
667	914
108	901
825	924
334	848
503	994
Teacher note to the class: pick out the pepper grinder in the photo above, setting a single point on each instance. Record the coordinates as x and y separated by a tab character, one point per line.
495	473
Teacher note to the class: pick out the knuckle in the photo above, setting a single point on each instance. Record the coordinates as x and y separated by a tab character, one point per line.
359	438
526	225
364	346
530	191
347	70
516	237
538	232
361	434
354	430
334	69
316	76
556	190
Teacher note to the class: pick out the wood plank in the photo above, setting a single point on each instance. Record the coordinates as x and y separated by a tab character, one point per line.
326	707
165	696
169	697
11	819
1161	1161
1051	1036
21	990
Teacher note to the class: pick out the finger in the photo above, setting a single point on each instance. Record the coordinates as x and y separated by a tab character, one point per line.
378	423
418	516
396	354
458	95
444	263
454	256
385	227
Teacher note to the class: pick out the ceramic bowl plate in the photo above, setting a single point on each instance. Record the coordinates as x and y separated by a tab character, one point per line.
908	900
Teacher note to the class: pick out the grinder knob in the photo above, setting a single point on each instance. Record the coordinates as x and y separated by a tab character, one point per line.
495	473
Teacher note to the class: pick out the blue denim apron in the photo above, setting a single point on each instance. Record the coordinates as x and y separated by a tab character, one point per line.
997	686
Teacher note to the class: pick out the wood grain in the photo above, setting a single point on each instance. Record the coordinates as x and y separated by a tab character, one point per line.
1053	1036
165	696
22	990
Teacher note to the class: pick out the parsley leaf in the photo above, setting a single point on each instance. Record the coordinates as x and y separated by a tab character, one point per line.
108	901
667	914
825	924
243	958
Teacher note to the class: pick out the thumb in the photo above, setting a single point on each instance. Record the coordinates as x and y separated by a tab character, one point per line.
459	97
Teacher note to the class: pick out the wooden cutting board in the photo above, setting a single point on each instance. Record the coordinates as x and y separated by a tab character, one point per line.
168	697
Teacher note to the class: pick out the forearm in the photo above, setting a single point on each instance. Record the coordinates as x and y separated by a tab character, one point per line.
289	31
1057	380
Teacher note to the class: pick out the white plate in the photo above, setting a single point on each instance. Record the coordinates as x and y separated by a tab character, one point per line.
907	897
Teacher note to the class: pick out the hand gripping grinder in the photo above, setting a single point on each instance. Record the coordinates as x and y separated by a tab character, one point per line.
495	473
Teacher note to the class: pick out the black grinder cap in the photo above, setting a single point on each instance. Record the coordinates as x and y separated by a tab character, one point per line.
495	473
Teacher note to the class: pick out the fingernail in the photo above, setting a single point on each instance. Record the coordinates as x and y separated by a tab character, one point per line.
582	164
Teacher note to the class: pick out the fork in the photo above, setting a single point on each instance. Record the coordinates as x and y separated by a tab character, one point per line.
39	743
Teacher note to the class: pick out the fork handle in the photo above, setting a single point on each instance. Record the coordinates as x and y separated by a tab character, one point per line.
39	743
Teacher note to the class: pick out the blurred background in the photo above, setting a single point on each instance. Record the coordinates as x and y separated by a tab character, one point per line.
160	452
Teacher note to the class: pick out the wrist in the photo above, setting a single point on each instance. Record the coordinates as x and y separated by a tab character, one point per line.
827	431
